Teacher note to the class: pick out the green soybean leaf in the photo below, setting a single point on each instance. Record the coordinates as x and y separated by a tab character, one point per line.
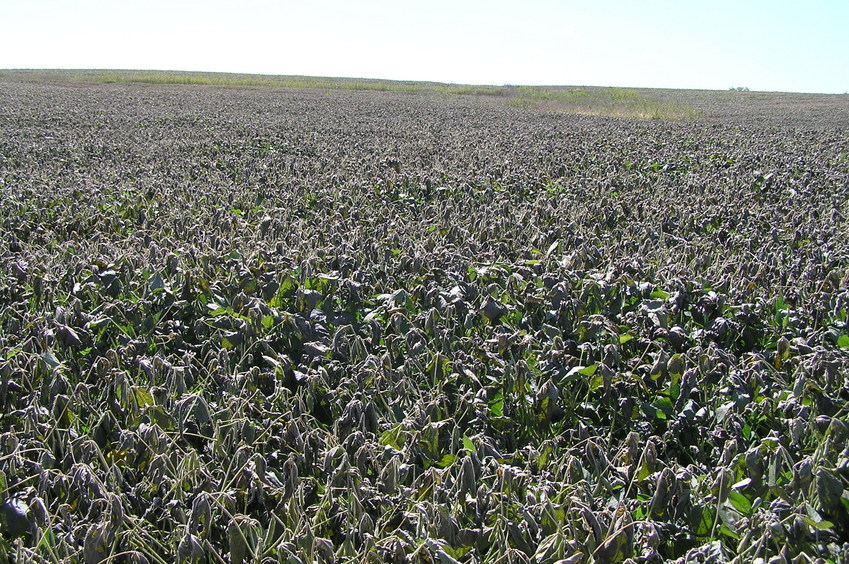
216	309
596	382
664	405
659	294
740	502
446	461
496	404
143	397
393	437
819	525
468	444
588	370
705	522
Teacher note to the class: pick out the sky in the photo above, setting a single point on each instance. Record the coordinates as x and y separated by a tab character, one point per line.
777	45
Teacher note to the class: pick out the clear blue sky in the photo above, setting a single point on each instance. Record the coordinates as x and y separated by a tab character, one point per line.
794	46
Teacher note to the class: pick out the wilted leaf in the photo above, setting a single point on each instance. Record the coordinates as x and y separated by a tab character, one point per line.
190	550
50	359
722	411
156	282
14	518
493	310
161	418
316	349
242	536
68	337
829	490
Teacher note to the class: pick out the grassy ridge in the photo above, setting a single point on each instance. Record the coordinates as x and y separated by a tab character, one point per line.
246	80
618	102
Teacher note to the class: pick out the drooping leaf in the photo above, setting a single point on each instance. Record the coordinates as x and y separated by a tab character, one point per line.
722	411
50	359
142	396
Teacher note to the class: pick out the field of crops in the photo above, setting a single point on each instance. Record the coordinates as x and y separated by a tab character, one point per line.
259	323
